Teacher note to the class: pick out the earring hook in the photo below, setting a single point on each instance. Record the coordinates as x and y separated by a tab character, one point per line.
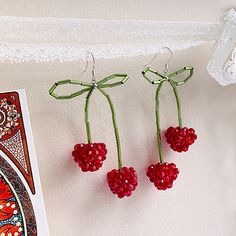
168	61
166	64
93	68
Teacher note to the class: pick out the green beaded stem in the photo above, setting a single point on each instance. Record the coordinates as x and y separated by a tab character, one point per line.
166	78
122	78
178	104
86	116
114	126
157	108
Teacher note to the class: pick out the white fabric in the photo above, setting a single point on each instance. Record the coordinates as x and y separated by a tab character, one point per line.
68	39
222	65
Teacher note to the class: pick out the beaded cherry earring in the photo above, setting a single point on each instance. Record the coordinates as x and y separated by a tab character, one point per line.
90	156
163	174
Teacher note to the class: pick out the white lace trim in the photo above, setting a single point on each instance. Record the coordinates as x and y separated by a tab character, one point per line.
67	39
222	65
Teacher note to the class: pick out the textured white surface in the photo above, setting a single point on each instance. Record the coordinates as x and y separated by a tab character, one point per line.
202	202
69	39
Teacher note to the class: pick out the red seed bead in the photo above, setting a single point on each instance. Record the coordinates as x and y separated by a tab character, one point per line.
122	182
89	156
163	175
180	138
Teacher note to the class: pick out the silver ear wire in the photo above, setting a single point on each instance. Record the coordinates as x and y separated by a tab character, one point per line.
93	68
166	64
168	61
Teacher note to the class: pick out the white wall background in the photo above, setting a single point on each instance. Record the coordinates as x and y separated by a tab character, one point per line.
202	201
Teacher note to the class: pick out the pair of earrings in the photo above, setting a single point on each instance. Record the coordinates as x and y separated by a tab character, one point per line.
90	156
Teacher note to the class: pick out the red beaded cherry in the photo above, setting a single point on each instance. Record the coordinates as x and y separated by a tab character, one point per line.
180	138
163	175
122	182
89	156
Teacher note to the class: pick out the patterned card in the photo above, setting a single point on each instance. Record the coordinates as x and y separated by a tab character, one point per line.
22	211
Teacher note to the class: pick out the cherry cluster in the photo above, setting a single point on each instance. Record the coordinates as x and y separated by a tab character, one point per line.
162	175
122	182
180	138
89	156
